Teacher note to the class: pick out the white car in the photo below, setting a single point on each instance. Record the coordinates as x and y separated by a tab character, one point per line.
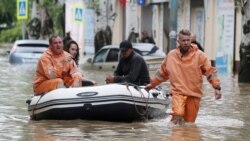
108	56
27	51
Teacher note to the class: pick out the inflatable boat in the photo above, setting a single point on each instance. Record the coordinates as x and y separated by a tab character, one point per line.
111	102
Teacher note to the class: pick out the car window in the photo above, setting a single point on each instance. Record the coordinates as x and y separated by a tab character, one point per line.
101	56
113	55
33	45
31	48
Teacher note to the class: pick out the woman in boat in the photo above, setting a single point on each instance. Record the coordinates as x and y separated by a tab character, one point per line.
72	48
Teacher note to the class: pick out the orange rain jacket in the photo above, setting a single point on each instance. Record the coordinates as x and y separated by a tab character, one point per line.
185	72
52	67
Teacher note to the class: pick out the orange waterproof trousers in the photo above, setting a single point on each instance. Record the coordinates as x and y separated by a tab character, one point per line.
48	85
185	106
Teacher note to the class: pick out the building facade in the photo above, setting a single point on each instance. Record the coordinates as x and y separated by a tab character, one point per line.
216	24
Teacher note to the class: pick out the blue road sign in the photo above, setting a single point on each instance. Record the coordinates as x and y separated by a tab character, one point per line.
78	14
22	9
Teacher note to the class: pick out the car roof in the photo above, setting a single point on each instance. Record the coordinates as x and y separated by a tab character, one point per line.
110	46
31	42
146	46
141	48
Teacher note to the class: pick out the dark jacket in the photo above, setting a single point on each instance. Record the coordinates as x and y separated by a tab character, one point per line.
132	70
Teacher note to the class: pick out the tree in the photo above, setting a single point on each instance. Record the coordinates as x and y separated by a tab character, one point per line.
7	16
245	43
52	13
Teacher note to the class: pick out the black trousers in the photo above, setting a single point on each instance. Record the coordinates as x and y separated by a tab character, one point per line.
87	83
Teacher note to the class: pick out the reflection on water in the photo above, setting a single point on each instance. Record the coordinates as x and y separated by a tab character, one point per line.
222	120
185	133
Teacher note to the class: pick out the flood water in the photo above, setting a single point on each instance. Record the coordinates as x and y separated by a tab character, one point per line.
221	120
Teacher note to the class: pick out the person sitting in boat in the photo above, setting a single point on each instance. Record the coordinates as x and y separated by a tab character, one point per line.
56	69
131	68
73	49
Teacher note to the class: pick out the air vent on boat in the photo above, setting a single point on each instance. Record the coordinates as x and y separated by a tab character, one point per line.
86	94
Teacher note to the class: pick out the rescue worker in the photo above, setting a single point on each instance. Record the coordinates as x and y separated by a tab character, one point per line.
55	69
131	68
184	67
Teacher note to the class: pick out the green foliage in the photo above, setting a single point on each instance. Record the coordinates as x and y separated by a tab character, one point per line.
7	11
56	12
8	16
96	7
12	34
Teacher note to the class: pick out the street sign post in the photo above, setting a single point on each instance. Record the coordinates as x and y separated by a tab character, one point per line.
22	9
22	13
78	14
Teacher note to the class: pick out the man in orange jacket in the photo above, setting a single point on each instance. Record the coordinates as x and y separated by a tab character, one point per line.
184	67
56	69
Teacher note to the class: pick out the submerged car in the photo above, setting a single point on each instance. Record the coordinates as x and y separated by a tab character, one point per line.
27	51
107	57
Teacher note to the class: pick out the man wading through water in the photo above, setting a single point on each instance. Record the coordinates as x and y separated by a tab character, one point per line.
184	67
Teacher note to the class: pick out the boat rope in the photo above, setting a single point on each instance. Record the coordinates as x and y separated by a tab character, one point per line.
33	110
146	99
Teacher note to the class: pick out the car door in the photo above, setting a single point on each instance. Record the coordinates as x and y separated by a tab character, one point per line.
112	59
100	59
106	59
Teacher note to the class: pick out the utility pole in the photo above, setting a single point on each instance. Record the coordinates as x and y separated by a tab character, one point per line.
23	30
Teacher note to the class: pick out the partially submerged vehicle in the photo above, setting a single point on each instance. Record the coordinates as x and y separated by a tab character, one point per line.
107	57
27	51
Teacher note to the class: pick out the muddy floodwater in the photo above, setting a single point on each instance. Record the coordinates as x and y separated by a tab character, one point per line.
222	120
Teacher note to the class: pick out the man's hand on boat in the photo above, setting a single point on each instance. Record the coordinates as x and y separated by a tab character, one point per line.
77	83
109	78
148	87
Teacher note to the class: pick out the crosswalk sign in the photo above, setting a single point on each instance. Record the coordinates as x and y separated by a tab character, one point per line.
22	9
78	14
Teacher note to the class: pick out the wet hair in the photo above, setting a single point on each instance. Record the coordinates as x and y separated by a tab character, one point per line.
67	46
185	32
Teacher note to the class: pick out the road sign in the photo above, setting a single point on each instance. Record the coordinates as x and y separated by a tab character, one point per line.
22	9
78	14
